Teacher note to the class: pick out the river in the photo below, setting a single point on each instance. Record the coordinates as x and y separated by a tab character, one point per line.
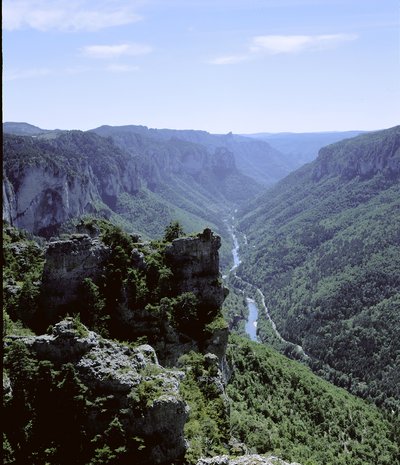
251	323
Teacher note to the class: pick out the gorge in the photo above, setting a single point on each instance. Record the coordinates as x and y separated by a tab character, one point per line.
123	326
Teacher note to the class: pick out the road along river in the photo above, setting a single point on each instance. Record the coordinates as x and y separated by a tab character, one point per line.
251	323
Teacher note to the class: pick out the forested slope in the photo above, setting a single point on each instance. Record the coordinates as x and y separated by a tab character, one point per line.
279	406
324	246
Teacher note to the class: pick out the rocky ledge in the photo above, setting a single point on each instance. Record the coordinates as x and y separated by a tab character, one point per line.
244	460
195	263
145	396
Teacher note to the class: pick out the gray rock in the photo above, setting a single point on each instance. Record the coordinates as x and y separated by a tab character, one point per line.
195	263
130	377
68	263
7	389
244	460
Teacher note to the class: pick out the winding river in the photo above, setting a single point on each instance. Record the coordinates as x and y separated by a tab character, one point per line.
251	323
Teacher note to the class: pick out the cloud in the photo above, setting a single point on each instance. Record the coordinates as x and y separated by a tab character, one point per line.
33	73
27	73
285	44
116	68
66	15
229	60
115	51
275	44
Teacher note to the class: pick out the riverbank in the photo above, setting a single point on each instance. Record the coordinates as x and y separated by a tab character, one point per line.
259	325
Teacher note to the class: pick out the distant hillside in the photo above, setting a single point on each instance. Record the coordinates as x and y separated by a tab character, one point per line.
25	129
254	158
324	246
302	148
170	160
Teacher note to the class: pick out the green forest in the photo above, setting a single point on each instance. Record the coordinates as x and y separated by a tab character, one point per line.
323	246
270	405
325	250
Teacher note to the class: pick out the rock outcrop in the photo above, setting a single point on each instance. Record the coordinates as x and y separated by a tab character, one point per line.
244	460
68	263
365	156
49	181
40	198
145	396
195	264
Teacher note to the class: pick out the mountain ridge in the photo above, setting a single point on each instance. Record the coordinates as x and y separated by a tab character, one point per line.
325	249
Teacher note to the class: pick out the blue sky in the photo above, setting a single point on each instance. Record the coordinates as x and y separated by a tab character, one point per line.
223	65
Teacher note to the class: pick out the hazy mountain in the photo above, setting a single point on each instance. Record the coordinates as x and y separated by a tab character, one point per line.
25	129
324	246
302	148
253	158
52	178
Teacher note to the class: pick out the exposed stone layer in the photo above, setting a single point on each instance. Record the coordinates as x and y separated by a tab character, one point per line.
68	263
244	460
194	262
110	368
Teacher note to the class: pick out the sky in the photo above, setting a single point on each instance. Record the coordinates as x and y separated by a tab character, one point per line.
242	66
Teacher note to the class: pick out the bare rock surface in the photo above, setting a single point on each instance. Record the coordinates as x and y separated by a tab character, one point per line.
244	460
146	393
68	263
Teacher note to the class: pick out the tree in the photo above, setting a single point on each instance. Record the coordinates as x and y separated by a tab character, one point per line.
173	231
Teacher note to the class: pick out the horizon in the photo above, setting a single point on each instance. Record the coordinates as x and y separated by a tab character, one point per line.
296	66
202	130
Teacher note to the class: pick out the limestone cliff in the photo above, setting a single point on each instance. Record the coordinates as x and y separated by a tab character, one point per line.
67	264
193	265
169	159
49	181
363	156
253	459
141	394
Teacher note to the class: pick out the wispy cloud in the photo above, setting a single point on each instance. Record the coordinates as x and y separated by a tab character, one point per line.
27	73
115	51
229	59
275	44
289	44
33	73
117	68
67	15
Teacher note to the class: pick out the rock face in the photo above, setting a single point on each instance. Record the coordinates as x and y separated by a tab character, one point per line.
169	156
47	182
195	264
67	264
363	156
145	395
44	199
244	460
